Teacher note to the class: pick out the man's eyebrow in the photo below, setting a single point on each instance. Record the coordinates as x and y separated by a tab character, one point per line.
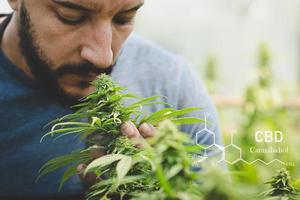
135	8
71	5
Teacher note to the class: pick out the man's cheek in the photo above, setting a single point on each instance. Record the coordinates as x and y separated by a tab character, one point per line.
119	39
60	49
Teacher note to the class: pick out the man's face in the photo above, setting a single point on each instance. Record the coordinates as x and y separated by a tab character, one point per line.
67	43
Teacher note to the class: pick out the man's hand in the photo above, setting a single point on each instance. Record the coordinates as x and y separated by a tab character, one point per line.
128	129
144	131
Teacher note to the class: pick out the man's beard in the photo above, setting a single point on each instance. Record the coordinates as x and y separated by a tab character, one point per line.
40	65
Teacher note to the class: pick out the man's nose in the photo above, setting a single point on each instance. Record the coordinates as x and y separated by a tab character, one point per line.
98	47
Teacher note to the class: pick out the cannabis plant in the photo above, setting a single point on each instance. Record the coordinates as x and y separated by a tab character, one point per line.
211	74
281	187
263	107
171	160
159	170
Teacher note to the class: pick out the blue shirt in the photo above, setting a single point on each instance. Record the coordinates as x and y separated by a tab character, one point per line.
24	110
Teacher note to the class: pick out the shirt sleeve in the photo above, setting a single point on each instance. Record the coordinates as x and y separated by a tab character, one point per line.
191	93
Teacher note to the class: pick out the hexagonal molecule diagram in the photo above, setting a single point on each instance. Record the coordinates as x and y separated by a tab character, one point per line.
232	154
205	135
214	150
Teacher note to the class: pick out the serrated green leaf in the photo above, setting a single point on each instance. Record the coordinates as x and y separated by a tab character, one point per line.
194	148
103	161
158	114
171	114
144	100
64	130
62	161
70	172
123	166
174	171
187	120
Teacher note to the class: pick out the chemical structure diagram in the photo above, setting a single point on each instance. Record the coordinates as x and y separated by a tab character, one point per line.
224	151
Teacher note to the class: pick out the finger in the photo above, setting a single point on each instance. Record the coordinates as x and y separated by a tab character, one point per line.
89	179
96	153
147	130
80	170
128	129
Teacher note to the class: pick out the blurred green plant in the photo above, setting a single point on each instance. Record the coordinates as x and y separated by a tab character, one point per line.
211	73
217	184
263	109
263	106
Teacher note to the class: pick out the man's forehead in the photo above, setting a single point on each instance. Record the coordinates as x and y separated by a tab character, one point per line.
99	5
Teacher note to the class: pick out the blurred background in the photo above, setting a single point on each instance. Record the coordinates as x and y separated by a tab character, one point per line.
230	32
247	52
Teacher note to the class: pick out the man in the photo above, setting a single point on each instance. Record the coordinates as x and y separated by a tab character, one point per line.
50	51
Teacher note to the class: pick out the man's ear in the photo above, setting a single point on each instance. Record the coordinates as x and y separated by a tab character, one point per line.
14	4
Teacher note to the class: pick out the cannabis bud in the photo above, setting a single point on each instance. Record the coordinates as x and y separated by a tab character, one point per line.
281	186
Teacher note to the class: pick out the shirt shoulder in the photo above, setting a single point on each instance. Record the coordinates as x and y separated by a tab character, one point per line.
139	50
148	61
155	69
138	44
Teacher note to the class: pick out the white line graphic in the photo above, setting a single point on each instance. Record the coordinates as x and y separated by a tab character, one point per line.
215	149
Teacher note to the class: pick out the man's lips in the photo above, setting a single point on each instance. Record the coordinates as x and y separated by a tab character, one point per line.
78	80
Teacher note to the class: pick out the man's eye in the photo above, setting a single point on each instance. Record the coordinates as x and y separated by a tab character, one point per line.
123	20
71	20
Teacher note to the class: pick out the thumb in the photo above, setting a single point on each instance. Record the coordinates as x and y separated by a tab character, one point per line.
89	178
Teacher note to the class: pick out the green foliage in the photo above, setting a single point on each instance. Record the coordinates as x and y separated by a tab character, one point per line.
210	74
263	109
217	184
281	187
263	104
171	161
124	171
